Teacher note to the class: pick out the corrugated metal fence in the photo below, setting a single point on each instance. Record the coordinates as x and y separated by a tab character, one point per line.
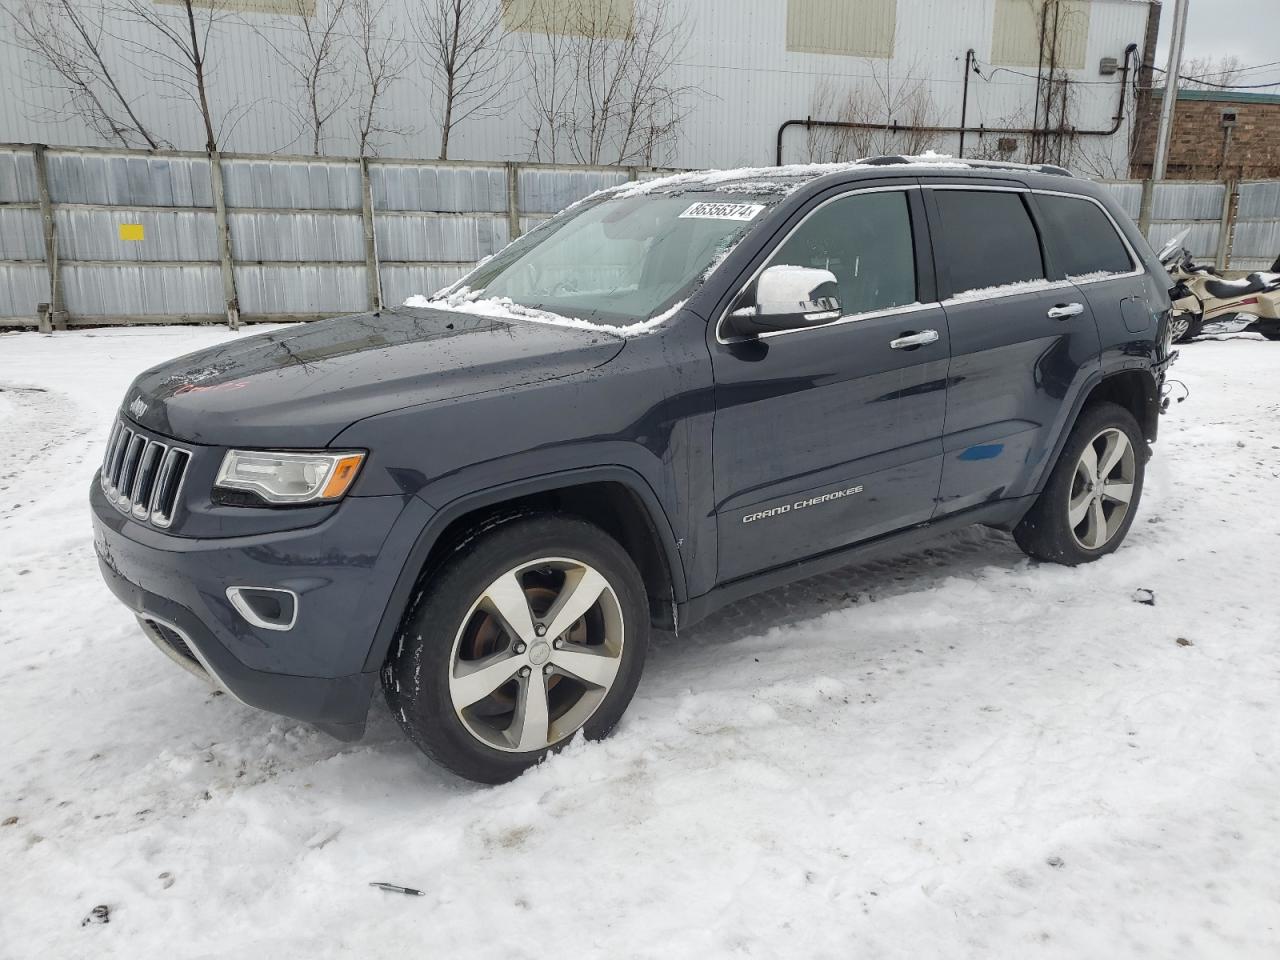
105	236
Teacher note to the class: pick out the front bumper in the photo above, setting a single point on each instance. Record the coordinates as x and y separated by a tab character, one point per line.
342	570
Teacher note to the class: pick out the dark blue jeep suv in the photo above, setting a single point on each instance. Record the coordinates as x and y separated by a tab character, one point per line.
669	396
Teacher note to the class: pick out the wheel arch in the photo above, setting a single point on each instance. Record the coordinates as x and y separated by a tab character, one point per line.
614	498
1137	390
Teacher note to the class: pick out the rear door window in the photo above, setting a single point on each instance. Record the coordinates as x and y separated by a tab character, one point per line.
987	240
1081	238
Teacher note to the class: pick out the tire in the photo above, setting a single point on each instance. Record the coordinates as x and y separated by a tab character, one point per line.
1269	329
1047	532
1195	324
526	568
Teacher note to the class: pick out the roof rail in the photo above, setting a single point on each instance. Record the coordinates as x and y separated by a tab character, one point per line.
1049	168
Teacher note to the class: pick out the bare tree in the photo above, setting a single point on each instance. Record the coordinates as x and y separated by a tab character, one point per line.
601	84
381	62
174	51
1200	73
466	67
69	40
889	115
313	52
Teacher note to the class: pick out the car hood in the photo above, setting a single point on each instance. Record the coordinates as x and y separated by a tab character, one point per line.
300	386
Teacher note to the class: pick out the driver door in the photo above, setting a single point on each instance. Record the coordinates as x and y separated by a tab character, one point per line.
832	435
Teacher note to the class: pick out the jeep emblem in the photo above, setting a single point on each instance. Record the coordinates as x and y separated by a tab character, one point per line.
138	407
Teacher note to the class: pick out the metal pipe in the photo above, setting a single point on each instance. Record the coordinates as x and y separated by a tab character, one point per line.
964	99
1118	121
1170	90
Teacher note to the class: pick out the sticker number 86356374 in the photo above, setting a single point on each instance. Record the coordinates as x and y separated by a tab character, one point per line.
722	211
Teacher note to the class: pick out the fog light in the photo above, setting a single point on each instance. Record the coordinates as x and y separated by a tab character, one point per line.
270	608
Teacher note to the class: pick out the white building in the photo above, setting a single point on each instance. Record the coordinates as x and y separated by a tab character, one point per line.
747	66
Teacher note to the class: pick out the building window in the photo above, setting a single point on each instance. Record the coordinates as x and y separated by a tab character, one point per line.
583	18
1026	29
850	28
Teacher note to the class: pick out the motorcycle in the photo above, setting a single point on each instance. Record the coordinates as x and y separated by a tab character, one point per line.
1204	302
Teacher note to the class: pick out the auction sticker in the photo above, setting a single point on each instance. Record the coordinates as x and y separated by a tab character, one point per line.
722	211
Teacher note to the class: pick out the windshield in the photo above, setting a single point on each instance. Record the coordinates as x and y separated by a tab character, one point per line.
621	260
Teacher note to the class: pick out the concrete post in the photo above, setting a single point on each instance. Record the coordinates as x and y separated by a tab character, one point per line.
56	311
229	298
1144	211
1227	225
513	200
373	270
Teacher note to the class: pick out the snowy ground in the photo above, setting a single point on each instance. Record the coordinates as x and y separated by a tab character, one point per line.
952	755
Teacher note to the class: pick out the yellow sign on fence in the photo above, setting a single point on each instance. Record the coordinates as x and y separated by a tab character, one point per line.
130	231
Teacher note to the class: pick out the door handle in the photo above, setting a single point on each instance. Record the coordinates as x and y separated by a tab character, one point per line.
1064	310
909	341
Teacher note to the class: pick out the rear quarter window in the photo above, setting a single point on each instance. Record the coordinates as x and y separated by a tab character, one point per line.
1081	239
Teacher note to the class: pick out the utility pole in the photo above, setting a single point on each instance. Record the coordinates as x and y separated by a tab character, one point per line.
1170	89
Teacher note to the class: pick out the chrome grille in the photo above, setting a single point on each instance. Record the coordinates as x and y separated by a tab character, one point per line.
143	477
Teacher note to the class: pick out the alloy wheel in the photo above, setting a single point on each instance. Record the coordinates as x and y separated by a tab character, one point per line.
536	655
1102	489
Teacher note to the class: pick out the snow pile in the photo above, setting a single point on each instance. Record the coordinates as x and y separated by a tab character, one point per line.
953	754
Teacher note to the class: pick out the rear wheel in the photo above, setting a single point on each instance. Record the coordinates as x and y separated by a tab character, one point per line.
1089	503
537	631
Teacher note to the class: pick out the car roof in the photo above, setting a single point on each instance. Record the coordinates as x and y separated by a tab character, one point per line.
789	179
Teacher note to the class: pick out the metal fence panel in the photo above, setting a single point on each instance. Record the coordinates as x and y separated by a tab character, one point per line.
120	290
87	234
1257	240
18	177
21	236
400	281
292	184
304	289
544	190
128	180
440	239
22	286
1259	199
1127	193
297	236
1175	200
1202	241
444	189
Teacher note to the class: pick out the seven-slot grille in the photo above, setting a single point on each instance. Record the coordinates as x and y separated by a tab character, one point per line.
143	477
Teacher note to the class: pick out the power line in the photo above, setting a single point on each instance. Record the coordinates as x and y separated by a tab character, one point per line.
1224	86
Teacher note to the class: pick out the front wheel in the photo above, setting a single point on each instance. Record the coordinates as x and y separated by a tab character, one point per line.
1089	503
535	631
1187	326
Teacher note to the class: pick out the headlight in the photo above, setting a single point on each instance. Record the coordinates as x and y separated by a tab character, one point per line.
289	477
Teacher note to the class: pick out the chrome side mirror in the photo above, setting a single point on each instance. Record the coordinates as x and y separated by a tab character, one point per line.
787	298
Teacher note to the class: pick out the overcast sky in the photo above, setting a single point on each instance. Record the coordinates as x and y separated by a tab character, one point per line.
1248	28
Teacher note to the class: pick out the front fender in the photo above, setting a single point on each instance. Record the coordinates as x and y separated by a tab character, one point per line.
423	524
